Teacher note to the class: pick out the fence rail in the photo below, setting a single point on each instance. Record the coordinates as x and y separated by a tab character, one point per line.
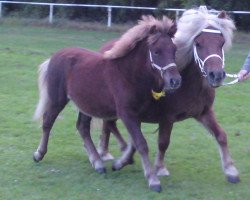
108	7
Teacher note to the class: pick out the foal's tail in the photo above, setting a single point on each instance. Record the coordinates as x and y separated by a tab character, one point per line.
43	90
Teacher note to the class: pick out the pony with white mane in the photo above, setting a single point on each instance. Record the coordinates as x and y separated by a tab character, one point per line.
191	24
201	39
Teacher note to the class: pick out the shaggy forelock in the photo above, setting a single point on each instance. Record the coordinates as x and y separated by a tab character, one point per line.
191	24
137	33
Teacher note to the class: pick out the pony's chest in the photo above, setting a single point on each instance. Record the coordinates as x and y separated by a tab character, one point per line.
191	103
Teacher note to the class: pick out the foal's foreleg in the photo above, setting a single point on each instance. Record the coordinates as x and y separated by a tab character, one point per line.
83	126
209	121
133	126
109	126
163	143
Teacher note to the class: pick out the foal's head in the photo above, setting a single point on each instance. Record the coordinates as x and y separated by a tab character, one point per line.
211	34
157	53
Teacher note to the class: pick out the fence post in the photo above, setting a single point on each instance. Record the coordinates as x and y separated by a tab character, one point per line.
177	15
0	9
109	16
51	13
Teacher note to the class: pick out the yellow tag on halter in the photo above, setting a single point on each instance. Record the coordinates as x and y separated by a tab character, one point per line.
158	95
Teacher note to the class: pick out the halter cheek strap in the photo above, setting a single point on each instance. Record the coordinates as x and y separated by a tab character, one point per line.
201	62
161	69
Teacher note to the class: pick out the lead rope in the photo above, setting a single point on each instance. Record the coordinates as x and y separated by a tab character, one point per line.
236	79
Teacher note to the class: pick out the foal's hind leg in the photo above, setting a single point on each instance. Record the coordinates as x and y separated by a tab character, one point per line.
110	126
83	126
209	121
49	118
163	143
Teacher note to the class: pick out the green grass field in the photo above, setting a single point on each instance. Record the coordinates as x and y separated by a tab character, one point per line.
65	173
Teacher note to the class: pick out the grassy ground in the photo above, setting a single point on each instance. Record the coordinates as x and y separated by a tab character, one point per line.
65	173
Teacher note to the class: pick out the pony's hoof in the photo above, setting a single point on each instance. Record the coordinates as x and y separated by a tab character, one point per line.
156	188
233	179
101	170
117	165
37	156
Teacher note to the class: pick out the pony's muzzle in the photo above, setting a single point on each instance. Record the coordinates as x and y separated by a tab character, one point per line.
216	77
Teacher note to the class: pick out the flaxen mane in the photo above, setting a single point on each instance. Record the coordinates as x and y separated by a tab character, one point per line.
191	24
139	32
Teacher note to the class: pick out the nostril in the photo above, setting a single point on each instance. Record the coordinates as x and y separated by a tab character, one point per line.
172	81
211	75
223	74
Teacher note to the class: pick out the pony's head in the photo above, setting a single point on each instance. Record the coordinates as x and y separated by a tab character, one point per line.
159	50
203	36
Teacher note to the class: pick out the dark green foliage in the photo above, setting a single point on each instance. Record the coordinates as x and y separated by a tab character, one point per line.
125	15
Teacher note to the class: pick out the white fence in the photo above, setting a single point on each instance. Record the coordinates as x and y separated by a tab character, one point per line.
108	7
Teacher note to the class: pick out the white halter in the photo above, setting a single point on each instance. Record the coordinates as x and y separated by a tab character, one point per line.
161	69
201	62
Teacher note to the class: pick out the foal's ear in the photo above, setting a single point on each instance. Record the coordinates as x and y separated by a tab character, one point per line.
173	29
222	15
153	30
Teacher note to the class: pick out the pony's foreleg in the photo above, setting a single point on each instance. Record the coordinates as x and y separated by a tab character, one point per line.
209	121
163	143
49	118
133	126
83	126
110	126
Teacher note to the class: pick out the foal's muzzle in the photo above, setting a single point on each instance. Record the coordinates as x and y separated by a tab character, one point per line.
172	83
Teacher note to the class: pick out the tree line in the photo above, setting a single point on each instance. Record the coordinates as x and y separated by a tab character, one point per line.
126	15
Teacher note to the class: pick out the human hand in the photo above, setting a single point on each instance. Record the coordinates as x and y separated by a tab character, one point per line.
243	75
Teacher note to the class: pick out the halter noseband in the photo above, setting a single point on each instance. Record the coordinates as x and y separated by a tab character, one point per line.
161	69
201	62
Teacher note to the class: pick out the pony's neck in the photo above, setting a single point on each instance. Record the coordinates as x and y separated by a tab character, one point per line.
191	75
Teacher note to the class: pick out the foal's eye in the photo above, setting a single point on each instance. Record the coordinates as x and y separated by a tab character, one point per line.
157	52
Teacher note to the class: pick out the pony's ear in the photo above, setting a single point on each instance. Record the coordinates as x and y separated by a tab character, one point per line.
222	15
173	29
153	30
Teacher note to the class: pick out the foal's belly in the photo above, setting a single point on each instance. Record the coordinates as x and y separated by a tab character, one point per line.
91	95
95	106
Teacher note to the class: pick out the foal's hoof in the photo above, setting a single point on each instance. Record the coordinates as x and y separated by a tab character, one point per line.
117	165
233	179
162	171
101	170
37	156
156	188
107	157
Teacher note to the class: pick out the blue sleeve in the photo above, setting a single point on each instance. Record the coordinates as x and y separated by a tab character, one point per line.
246	64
